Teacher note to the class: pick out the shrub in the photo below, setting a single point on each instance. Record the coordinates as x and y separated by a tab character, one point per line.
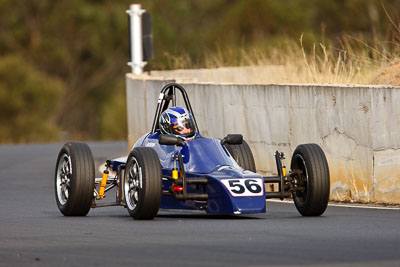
28	102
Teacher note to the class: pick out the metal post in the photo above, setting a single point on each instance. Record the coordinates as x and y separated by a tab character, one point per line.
135	13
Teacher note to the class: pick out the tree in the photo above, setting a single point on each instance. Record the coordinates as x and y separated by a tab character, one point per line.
28	99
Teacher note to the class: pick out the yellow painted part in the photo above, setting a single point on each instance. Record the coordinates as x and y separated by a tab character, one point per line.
174	174
103	184
284	171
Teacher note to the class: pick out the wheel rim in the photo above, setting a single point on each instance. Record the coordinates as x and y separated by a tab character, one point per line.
133	184
63	183
301	196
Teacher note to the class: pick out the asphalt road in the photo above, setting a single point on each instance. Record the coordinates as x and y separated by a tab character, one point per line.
34	233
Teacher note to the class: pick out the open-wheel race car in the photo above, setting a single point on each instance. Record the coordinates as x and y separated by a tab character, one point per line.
173	167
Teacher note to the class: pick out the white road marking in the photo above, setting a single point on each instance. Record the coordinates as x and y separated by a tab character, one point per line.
356	206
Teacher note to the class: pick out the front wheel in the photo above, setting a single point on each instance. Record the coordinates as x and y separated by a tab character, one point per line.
74	179
310	163
142	183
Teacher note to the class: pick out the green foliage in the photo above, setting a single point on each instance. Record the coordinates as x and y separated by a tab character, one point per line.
85	45
194	29
113	124
28	102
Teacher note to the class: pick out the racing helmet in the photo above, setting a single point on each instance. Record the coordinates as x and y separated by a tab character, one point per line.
177	121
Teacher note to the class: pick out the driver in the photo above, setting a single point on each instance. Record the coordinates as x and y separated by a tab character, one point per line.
177	121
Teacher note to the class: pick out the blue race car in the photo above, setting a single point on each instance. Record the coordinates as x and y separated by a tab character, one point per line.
173	167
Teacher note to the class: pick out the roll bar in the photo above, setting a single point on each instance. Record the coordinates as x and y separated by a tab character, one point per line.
168	94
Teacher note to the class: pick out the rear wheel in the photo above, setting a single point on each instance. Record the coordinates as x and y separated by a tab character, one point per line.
242	155
74	179
142	183
310	163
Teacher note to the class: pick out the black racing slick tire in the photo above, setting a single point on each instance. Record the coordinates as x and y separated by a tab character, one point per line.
310	162
242	155
74	179
143	183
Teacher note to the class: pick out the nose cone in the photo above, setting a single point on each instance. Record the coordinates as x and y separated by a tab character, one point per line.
234	191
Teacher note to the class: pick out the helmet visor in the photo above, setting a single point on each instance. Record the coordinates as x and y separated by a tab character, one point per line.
183	127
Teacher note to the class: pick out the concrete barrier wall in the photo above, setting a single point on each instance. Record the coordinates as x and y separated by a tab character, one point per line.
246	74
358	127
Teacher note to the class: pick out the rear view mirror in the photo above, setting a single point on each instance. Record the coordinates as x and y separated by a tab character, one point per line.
170	140
233	139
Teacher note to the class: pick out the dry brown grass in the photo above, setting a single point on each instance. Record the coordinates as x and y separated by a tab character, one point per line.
355	62
389	75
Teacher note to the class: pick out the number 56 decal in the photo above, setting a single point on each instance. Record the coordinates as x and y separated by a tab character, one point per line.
244	187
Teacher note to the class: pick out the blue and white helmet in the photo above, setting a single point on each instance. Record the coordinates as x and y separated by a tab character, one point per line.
177	121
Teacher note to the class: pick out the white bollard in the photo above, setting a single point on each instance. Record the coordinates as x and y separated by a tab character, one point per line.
135	12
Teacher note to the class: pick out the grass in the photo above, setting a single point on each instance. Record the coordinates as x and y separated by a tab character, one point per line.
355	61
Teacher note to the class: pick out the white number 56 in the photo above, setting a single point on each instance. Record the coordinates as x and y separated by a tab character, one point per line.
244	187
